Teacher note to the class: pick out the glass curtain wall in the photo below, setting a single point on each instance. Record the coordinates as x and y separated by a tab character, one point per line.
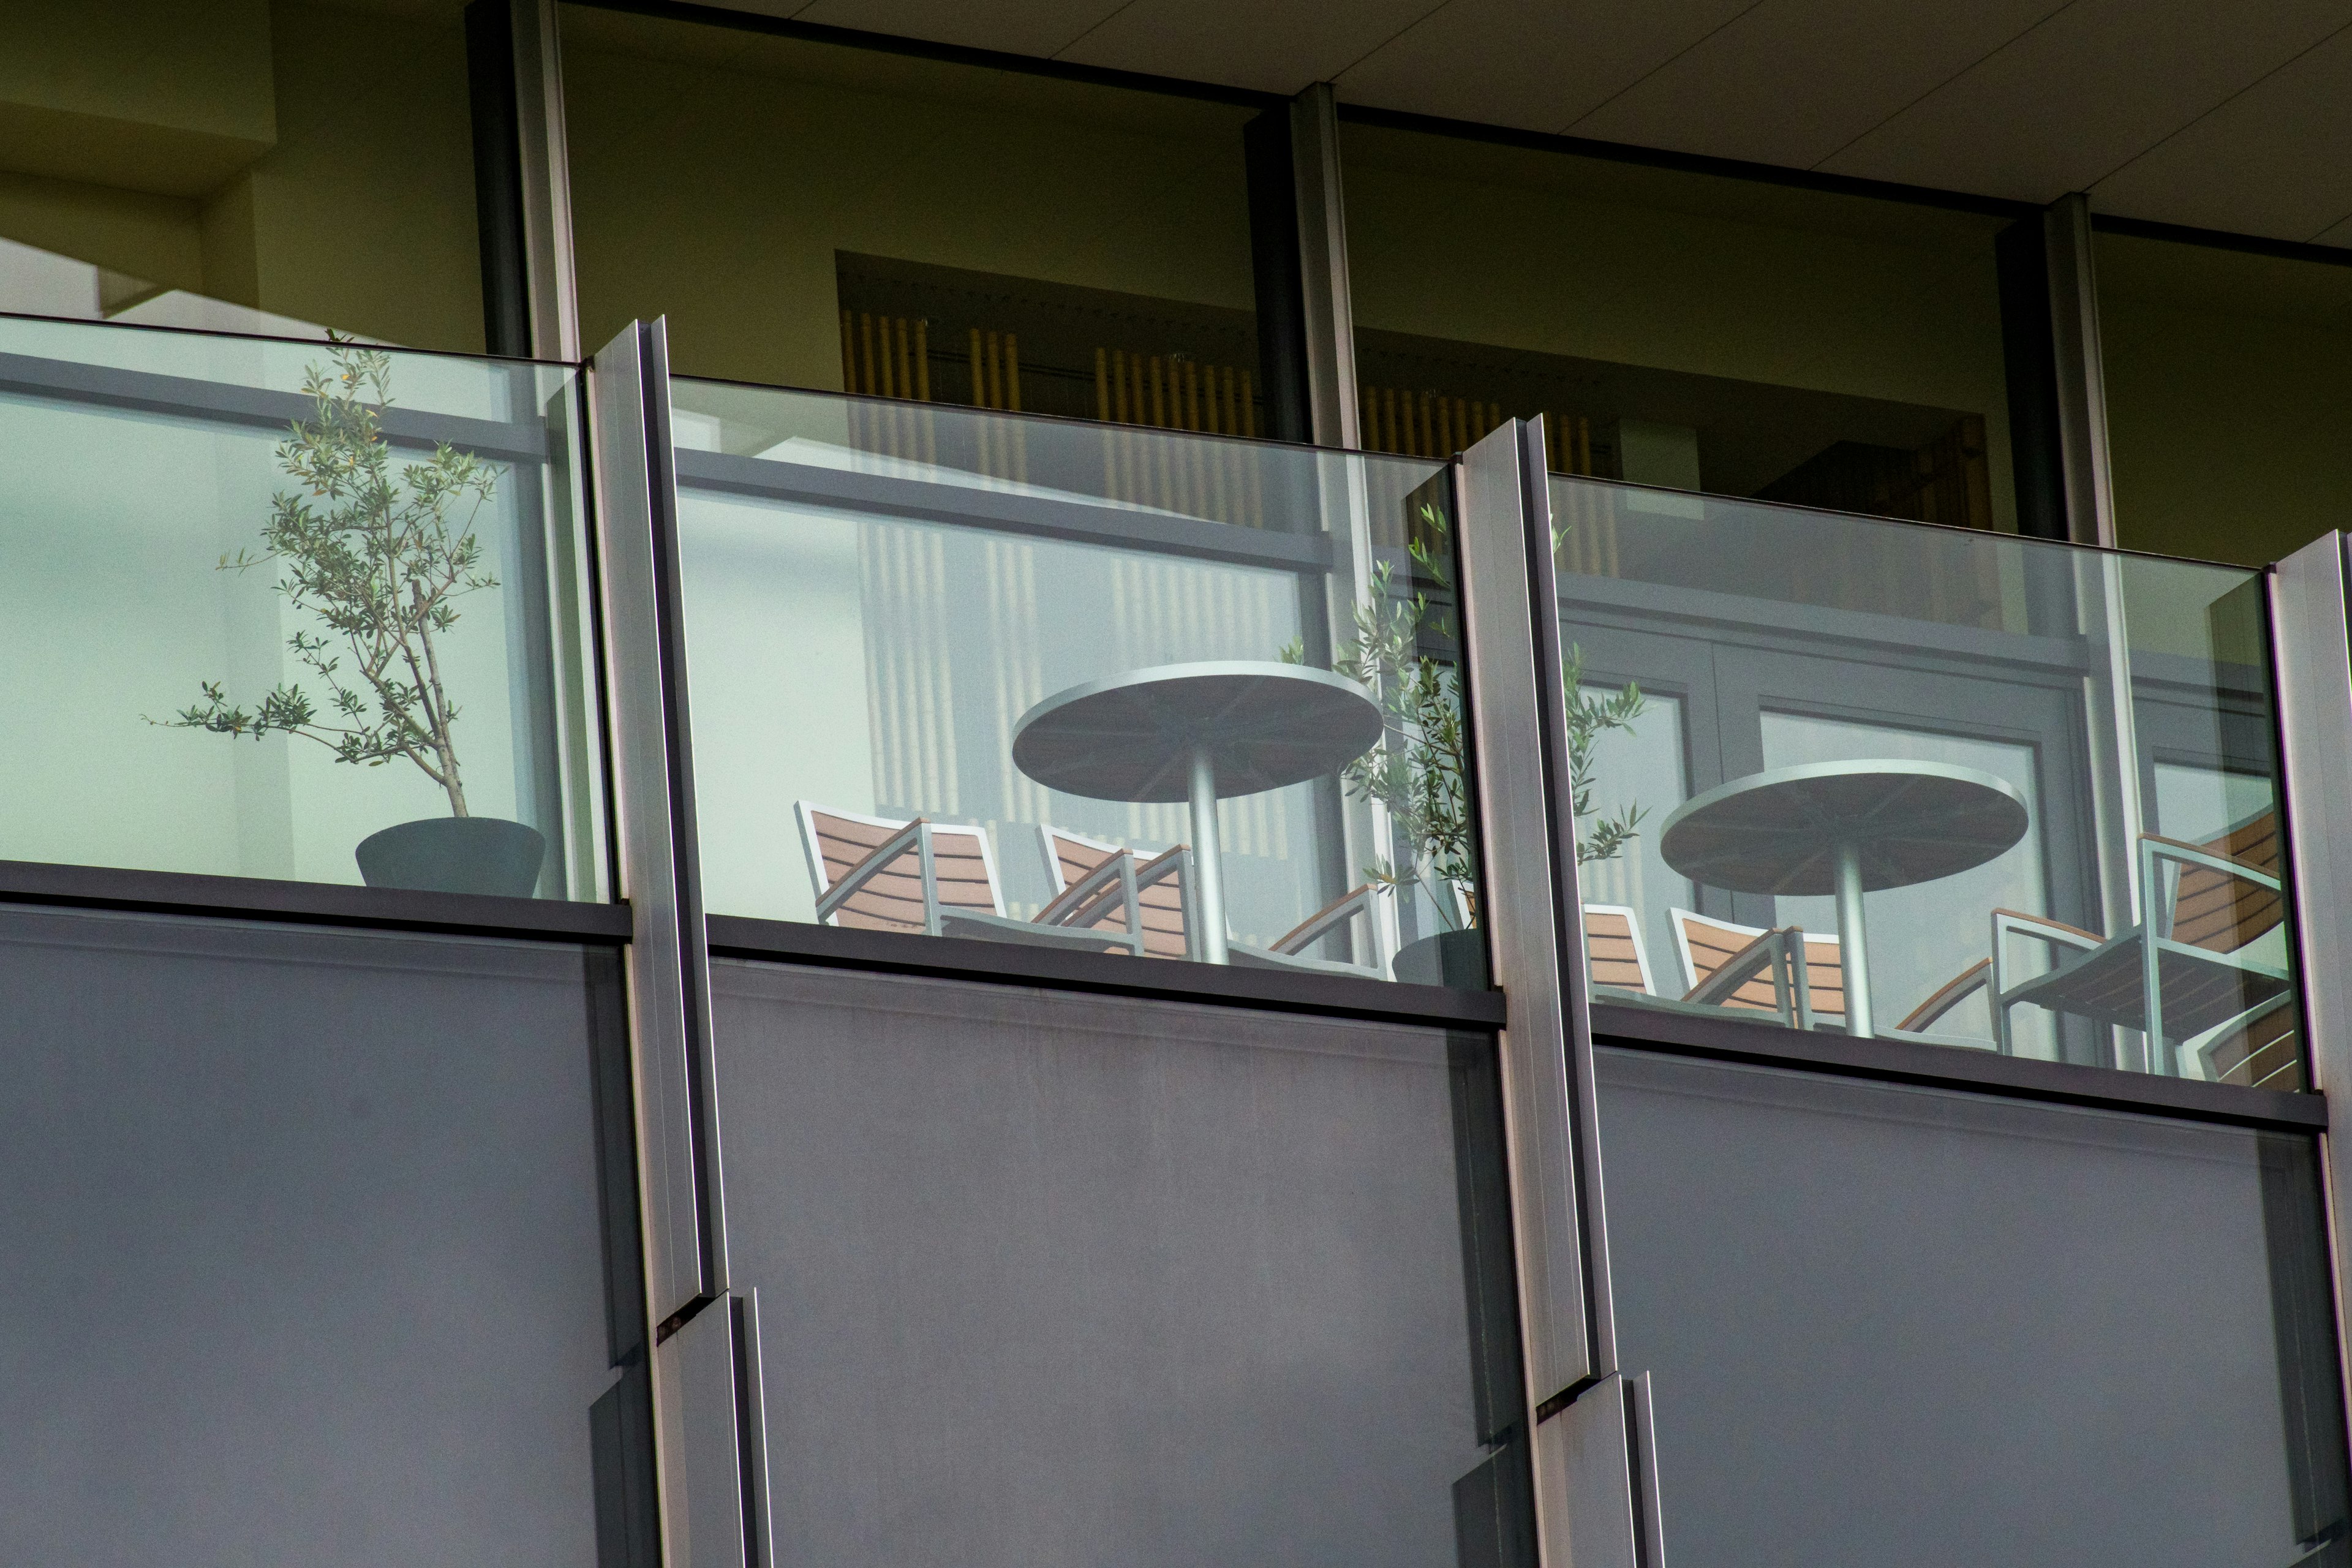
1035	681
1907	1326
258	165
2227	397
823	216
231	652
2049	770
1679	330
1054	1278
322	1248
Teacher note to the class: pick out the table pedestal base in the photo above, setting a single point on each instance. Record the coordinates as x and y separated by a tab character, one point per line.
1853	951
1208	862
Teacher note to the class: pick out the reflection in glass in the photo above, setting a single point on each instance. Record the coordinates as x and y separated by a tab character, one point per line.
1907	1326
1047	1279
413	653
1950	786
952	674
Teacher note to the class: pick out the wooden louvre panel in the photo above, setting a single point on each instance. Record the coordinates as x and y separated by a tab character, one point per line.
886	357
891	898
2222	913
1612	951
1163	899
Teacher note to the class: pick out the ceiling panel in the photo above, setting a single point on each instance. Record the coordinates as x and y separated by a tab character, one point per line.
1792	81
1536	64
2085	93
2274	161
1277	46
1040	28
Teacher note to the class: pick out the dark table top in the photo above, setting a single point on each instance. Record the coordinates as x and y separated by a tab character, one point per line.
1132	736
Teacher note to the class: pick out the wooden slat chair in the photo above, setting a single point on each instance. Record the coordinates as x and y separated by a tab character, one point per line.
1790	974
1158	900
1121	891
880	873
1613	955
2182	974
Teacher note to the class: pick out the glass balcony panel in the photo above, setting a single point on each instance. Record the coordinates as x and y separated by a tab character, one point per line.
170	710
2053	767
887	607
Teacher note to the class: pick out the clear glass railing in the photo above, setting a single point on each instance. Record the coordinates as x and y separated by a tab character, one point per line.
295	610
1108	690
1917	783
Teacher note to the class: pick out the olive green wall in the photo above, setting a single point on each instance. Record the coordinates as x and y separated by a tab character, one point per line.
2229	382
1572	256
314	161
715	177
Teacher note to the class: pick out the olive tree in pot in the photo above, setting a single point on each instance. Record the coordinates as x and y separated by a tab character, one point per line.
377	554
1419	770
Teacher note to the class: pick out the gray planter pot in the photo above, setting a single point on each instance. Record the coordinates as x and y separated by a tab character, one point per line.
1456	958
455	855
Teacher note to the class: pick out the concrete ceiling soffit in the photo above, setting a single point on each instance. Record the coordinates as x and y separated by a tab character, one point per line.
2085	92
1539	65
2274	161
1273	45
1859	62
1039	28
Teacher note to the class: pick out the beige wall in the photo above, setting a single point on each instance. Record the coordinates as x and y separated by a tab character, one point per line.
2228	398
714	179
1682	272
314	161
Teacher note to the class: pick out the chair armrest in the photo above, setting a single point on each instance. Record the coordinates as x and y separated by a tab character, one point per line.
1330	917
880	855
1740	968
1949	995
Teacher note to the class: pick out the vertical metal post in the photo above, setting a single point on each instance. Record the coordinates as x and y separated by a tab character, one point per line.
1583	1440
653	789
521	181
1330	314
2313	648
546	182
1853	951
2081	373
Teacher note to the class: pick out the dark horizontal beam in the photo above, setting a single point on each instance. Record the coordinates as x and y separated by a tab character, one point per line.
251	407
1004	510
2221	239
1955	1068
1003	963
1690	163
311	903
952	54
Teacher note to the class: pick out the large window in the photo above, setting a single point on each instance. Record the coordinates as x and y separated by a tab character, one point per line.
259	166
1895	1325
816	215
1678	329
1065	1280
2227	397
322	1248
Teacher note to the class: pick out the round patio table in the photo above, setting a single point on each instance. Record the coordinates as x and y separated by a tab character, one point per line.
1198	733
1843	829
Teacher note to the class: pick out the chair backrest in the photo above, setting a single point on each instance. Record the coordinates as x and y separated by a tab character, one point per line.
890	896
1705	944
2223	913
1613	949
1071	858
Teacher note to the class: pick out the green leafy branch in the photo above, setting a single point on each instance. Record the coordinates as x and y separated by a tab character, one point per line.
378	556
